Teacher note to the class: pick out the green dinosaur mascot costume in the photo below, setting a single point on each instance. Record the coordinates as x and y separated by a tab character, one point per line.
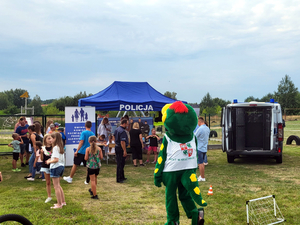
177	163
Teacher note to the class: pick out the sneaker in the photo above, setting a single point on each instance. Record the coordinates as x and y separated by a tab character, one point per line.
95	197
205	164
201	179
43	179
85	182
37	172
14	170
30	179
154	162
27	163
91	193
68	179
27	176
147	161
48	199
142	164
22	165
18	170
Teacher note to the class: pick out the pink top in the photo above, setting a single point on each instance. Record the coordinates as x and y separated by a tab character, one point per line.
38	154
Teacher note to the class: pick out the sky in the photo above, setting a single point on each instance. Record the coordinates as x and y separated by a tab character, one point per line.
232	49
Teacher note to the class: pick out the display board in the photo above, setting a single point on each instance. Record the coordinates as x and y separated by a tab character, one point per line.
75	118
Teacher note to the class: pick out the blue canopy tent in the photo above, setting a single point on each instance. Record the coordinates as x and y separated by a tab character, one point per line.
127	96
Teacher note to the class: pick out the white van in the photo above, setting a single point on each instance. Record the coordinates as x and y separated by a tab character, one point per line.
252	128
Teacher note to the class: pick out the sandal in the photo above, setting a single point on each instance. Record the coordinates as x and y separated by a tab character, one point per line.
56	207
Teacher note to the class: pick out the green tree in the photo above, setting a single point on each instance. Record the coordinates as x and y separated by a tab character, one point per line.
3	101
11	109
37	103
170	94
287	93
50	110
220	102
14	97
267	97
207	103
251	98
62	102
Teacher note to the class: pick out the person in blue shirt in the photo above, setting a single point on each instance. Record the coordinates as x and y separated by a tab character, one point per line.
202	135
63	136
121	140
22	130
80	151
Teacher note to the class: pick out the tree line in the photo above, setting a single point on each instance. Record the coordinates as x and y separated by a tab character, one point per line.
287	95
10	103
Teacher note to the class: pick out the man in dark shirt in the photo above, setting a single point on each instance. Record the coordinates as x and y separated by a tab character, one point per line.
121	140
22	131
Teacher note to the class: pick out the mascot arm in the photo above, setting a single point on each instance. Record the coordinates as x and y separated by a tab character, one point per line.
160	165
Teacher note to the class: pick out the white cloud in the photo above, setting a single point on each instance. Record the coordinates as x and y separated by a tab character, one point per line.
222	44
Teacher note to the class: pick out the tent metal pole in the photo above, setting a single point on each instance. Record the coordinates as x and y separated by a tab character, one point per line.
124	113
135	114
143	114
118	113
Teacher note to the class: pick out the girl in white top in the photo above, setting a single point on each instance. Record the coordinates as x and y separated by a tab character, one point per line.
57	163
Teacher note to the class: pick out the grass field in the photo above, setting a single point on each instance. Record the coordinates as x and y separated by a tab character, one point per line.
138	201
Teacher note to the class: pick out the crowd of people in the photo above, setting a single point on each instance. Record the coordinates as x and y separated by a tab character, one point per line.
43	151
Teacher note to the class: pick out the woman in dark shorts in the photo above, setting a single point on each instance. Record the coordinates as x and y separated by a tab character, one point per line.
136	144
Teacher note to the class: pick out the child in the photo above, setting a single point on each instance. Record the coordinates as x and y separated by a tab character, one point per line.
57	168
153	145
16	152
46	153
103	142
37	162
63	136
93	155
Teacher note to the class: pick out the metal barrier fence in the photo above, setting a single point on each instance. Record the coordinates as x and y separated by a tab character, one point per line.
8	122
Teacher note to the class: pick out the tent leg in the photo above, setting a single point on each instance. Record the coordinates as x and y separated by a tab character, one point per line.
124	113
135	114
118	113
143	113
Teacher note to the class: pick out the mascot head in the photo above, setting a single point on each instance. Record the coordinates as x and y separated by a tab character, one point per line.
179	119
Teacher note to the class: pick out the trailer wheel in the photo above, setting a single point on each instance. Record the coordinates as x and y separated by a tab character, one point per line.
279	159
230	159
15	217
293	138
213	133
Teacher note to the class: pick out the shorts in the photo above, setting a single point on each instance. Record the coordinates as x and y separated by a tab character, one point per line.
152	148
93	171
45	170
24	147
57	172
79	159
201	156
16	156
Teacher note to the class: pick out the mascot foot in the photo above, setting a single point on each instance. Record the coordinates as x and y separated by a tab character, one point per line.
200	216
201	222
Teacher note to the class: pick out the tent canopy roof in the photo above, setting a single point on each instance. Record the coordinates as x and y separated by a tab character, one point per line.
127	96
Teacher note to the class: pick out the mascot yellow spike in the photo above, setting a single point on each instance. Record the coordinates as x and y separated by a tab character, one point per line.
177	163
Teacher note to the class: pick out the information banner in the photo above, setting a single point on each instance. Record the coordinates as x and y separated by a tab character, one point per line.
75	118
